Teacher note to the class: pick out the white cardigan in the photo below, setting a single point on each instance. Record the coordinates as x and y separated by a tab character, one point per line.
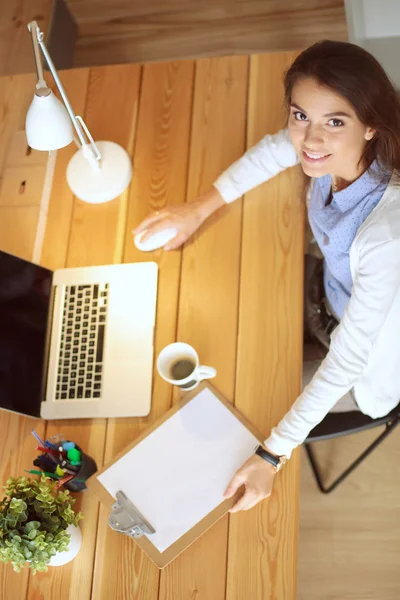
365	348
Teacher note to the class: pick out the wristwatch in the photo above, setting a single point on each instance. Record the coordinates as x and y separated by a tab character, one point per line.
276	461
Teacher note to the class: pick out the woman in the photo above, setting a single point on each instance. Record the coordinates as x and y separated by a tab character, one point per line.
344	130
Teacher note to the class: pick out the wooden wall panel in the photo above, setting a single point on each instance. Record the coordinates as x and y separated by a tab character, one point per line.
168	29
124	31
15	41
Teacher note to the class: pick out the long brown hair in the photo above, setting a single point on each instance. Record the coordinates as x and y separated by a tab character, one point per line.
358	77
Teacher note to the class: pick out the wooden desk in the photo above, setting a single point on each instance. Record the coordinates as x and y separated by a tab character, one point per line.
235	293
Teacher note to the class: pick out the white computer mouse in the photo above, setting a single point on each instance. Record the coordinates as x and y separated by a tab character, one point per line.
158	240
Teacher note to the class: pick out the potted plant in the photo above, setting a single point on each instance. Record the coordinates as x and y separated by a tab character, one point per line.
36	522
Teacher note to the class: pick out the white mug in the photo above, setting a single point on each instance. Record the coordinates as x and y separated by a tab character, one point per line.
178	364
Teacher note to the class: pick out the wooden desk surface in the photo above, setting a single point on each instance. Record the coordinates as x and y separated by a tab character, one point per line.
235	293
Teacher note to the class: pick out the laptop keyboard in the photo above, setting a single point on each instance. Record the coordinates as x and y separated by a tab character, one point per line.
80	366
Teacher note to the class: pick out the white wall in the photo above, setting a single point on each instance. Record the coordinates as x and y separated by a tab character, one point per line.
375	25
381	18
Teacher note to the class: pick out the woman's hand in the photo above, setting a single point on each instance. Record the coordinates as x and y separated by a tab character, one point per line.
258	477
185	218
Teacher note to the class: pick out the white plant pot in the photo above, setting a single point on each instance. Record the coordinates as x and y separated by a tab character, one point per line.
62	558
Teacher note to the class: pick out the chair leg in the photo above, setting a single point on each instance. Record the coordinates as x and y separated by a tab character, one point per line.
327	489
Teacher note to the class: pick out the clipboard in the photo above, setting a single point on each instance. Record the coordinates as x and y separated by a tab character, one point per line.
131	518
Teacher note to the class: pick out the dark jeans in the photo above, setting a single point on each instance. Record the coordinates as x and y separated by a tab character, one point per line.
318	320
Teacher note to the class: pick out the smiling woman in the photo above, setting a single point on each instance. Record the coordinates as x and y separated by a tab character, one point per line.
326	141
344	112
344	130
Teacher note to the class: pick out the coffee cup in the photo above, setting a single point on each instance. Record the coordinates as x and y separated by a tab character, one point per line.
178	363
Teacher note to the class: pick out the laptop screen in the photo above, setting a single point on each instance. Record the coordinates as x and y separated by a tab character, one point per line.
24	305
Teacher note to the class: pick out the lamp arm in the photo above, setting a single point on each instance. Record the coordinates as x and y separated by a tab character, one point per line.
33	28
37	41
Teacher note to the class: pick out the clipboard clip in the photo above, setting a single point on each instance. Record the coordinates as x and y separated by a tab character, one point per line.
125	518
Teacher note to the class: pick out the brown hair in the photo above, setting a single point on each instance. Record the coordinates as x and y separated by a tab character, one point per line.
358	77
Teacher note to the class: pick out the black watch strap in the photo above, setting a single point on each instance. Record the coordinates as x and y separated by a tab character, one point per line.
274	460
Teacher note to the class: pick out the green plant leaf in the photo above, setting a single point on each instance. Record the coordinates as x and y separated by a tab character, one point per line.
33	518
31	525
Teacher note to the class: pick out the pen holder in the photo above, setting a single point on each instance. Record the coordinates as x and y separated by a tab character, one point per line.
86	470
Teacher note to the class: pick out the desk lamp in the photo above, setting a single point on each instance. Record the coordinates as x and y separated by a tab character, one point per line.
99	171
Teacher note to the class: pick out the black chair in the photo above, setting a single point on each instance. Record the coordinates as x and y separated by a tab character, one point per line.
337	424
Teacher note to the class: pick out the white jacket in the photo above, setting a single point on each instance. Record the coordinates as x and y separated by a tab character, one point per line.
365	347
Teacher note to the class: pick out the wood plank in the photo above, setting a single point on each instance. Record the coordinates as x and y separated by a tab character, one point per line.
74	580
350	538
59	217
24	222
17	234
21	219
23	175
22	186
128	31
98	228
16	94
122	570
216	142
17	452
19	154
270	348
210	289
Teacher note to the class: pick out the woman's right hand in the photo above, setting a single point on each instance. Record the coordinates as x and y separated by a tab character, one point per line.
185	218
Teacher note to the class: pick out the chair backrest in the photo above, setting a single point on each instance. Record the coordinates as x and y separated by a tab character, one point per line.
338	424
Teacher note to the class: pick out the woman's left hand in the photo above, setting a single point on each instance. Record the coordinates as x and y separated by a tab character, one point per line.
257	475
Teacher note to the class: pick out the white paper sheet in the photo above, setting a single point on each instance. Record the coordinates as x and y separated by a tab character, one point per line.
178	473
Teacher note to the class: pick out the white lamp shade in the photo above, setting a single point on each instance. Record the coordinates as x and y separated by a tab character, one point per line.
104	183
48	126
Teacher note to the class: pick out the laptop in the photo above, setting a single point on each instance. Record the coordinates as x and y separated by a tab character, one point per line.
76	343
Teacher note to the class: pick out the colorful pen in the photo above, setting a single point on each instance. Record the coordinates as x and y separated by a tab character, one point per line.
53	475
47	450
34	472
41	442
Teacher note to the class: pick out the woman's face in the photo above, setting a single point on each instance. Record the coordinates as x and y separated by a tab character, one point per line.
326	132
